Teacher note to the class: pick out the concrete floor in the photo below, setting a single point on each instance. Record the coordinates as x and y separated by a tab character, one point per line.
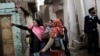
82	52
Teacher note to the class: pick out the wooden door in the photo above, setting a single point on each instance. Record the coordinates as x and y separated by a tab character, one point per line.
6	35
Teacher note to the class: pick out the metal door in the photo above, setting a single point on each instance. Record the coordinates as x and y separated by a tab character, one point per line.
6	35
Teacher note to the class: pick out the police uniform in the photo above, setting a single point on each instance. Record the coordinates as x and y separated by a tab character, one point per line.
90	28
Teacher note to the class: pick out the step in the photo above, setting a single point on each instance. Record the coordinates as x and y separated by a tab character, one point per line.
76	52
78	45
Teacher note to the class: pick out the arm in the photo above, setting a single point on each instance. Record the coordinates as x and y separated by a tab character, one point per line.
26	13
85	25
98	20
65	33
21	27
48	45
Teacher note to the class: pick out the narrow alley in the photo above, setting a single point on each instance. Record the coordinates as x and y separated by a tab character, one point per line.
78	21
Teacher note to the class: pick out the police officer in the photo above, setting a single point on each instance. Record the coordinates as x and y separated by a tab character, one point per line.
90	29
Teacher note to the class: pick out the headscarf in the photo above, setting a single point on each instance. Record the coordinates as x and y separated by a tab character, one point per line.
57	27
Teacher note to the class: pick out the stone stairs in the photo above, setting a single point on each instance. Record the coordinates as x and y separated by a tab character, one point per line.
75	52
77	49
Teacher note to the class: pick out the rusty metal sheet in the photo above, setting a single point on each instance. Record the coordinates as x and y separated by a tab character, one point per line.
5	21
6	32
8	49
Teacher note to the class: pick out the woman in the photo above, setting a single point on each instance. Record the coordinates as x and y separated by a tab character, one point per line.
36	31
66	41
44	42
49	25
57	27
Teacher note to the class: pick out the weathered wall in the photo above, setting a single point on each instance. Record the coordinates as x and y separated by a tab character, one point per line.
88	4
80	13
58	10
24	21
52	15
15	18
60	14
66	18
72	20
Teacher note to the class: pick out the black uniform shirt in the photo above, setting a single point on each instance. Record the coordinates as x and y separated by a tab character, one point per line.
90	23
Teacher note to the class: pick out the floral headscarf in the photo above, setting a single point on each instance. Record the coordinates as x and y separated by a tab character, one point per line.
56	27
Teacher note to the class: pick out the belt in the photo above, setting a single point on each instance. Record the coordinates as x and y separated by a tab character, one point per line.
94	29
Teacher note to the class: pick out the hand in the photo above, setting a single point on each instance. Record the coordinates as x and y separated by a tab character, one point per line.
12	24
42	51
18	6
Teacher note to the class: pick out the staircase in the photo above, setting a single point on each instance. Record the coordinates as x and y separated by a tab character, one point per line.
78	49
